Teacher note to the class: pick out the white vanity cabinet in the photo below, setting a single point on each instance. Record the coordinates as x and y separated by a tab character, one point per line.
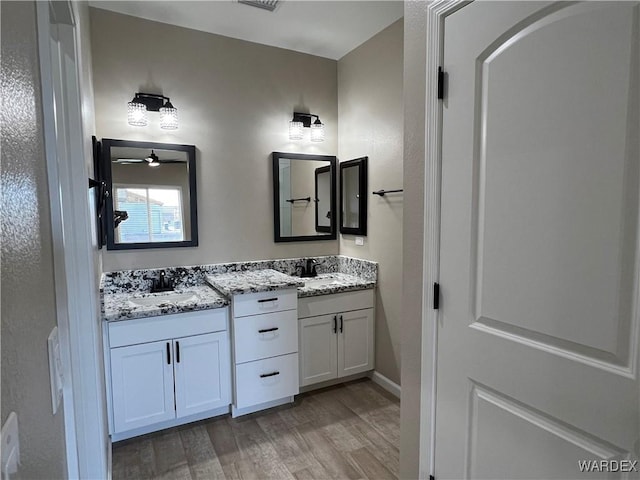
336	335
265	349
167	370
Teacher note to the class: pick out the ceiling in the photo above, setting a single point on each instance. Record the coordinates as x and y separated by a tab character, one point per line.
325	28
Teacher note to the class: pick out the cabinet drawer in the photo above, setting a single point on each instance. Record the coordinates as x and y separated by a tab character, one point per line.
266	380
263	336
151	329
264	302
335	303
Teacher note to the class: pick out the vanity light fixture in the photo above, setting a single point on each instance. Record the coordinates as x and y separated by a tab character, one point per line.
143	102
302	120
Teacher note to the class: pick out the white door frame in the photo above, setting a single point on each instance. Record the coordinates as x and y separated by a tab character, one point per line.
76	290
437	11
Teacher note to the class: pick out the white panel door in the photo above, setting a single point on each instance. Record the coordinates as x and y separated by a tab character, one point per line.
538	327
355	342
142	385
318	349
202	373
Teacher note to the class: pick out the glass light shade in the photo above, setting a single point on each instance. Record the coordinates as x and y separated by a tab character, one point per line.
154	164
137	114
169	118
317	132
295	130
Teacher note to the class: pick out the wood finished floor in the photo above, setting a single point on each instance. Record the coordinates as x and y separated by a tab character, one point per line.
350	431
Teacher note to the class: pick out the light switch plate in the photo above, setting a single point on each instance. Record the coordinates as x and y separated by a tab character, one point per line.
359	241
55	369
10	446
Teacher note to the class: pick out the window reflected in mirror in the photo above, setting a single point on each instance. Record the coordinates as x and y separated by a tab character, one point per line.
154	214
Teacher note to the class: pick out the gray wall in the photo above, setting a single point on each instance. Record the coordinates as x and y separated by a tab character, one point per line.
234	101
371	124
28	301
412	244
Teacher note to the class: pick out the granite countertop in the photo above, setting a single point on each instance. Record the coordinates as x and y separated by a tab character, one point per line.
237	283
328	283
267	280
122	306
125	294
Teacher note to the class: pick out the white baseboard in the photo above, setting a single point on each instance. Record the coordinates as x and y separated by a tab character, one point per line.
391	387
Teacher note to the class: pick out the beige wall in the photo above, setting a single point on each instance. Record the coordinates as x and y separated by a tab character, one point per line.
27	257
412	244
234	101
371	124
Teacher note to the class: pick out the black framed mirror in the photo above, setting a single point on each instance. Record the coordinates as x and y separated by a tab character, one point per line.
152	198
353	196
99	186
304	197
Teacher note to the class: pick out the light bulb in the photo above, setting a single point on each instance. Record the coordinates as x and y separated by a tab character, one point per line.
295	130
137	114
168	117
317	132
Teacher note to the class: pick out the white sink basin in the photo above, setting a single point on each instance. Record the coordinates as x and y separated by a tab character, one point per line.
162	299
320	282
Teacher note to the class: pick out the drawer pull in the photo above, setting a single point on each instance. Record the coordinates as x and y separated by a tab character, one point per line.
272	374
267	330
274	299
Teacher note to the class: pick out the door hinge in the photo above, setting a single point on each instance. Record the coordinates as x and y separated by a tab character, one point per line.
436	296
440	83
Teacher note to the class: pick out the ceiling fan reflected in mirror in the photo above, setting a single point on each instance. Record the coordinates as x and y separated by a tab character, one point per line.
152	160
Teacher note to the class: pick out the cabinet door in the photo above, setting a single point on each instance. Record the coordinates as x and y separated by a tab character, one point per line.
317	349
355	342
142	385
202	373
